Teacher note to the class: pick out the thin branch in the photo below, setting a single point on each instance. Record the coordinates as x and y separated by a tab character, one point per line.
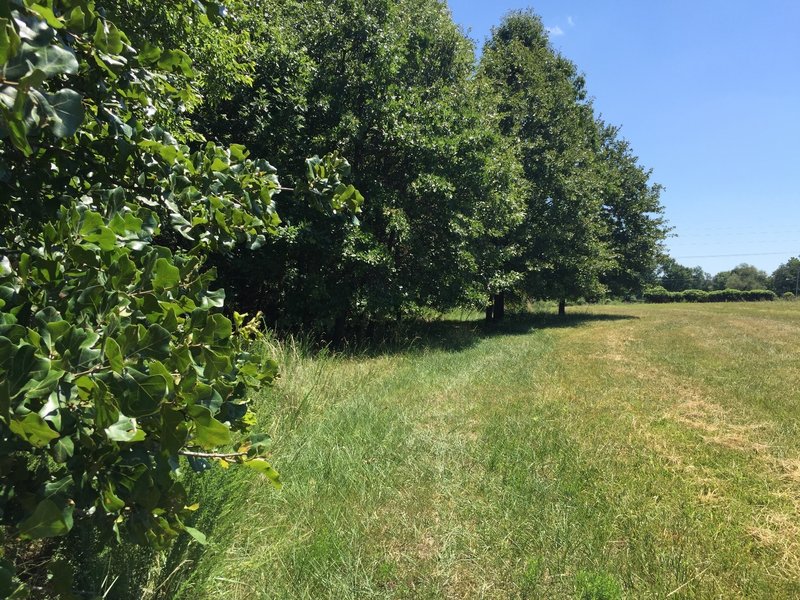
93	370
223	456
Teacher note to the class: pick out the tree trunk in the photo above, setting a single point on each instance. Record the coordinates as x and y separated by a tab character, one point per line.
490	309
339	330
499	306
562	307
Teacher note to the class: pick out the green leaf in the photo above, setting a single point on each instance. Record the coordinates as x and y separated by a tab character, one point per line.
199	536
107	37
140	394
156	342
51	60
42	387
239	152
58	487
167	276
111	502
156	367
174	430
262	466
77	20
218	327
33	429
46	521
215	299
63	449
176	60
53	331
113	355
125	430
32	80
219	165
68	108
149	53
106	409
94	229
15	127
47	14
208	433
9	41
216	364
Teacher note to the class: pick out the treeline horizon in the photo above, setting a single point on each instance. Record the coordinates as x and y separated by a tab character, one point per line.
674	277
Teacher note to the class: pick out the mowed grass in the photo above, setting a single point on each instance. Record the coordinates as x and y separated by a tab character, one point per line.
625	452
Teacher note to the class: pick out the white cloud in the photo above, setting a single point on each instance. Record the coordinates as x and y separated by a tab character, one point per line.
570	22
554	31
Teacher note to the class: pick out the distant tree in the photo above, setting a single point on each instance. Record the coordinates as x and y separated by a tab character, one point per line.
785	277
675	277
741	277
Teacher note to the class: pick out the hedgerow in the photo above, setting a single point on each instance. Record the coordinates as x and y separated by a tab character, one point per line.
658	295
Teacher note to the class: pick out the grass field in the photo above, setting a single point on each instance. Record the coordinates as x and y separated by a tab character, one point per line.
625	452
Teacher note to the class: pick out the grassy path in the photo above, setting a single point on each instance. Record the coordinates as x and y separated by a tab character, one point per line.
632	452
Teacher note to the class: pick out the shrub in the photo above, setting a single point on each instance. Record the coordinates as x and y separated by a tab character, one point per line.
659	295
116	360
760	296
694	296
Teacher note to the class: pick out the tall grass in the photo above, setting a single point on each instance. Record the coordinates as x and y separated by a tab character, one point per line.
624	452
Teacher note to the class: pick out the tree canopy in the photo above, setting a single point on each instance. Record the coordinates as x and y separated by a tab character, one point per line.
786	277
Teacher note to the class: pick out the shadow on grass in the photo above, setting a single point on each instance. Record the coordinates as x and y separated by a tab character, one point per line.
216	488
452	335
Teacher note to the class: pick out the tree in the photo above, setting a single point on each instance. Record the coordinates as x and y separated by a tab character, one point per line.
675	277
633	213
353	76
741	277
543	105
116	360
786	277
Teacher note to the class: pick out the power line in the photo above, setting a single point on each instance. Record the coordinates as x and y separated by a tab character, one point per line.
730	255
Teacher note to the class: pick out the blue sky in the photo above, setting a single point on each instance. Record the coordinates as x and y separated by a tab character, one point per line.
708	93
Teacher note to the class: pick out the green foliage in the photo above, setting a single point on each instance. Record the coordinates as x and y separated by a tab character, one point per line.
632	211
116	359
591	218
660	295
136	186
786	277
741	277
440	182
676	277
694	296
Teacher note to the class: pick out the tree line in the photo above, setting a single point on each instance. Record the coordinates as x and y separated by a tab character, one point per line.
482	180
174	173
674	277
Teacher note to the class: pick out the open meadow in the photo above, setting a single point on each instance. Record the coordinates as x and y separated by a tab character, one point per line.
636	451
230	236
